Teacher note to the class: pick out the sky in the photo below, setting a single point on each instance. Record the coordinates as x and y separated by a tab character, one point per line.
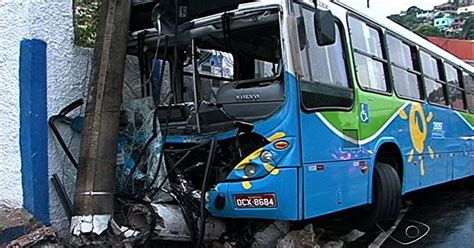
388	7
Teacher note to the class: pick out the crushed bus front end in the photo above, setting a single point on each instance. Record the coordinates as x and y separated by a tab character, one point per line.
229	133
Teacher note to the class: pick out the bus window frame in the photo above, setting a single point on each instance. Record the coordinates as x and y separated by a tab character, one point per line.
470	74
442	76
467	91
419	74
461	86
385	61
350	78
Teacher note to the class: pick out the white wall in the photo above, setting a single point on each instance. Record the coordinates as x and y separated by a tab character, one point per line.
68	71
50	21
11	194
466	9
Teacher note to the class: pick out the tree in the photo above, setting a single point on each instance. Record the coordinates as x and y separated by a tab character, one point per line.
396	18
468	29
409	21
428	30
413	10
86	21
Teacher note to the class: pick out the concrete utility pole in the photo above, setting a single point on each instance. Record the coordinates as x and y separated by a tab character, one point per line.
95	185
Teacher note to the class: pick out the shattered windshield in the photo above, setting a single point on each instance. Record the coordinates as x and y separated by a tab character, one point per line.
218	70
243	49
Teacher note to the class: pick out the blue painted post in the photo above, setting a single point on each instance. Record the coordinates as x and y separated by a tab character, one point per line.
34	129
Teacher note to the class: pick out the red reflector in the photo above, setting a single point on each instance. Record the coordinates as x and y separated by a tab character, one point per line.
362	163
280	145
320	167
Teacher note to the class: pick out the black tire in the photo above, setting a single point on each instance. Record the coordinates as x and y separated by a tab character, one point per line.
469	182
386	200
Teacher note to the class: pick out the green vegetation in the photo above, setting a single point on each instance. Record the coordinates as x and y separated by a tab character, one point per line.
428	30
424	26
408	21
86	21
468	29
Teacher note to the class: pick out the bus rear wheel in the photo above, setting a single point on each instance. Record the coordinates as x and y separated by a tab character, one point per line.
386	201
469	182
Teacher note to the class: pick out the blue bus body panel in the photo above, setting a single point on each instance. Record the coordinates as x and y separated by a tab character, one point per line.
333	179
443	153
324	172
283	185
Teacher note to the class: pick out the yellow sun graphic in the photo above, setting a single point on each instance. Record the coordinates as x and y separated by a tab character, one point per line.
418	132
256	154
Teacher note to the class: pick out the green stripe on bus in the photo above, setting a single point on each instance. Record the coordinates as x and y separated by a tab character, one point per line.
469	117
382	109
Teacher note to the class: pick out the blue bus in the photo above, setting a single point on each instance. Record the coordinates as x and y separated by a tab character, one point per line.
282	111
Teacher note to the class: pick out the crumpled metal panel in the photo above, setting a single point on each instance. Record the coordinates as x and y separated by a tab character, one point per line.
173	226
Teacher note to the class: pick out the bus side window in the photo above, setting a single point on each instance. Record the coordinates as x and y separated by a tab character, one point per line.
405	69
455	88
325	83
435	88
370	60
469	86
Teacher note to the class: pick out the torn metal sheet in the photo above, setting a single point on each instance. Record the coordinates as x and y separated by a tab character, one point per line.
352	236
173	226
96	224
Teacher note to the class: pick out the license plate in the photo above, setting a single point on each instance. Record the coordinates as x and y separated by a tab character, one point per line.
255	201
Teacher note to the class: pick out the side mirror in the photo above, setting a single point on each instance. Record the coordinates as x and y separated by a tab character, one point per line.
324	27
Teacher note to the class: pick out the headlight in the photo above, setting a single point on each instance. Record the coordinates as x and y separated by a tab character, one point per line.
250	170
266	157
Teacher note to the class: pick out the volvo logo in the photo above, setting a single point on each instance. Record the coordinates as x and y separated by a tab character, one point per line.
248	97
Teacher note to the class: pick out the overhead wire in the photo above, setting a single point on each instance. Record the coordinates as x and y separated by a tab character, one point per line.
172	91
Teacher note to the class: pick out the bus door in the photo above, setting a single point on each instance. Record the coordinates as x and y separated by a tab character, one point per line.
332	176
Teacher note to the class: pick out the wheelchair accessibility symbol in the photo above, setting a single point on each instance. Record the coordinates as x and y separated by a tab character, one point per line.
364	113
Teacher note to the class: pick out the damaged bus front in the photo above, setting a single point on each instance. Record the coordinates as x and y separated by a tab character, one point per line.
227	103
